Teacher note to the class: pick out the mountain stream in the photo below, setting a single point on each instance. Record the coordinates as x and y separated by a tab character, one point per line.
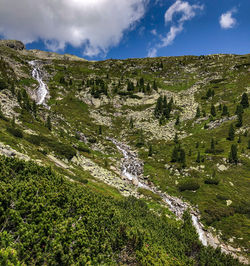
132	169
42	90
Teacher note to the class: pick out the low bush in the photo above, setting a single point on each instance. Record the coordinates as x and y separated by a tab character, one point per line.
16	132
189	185
211	181
216	213
34	139
83	148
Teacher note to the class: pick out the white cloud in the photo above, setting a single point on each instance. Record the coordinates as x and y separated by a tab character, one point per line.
96	25
226	20
186	12
154	32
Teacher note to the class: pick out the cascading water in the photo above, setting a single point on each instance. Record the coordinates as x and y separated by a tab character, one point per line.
42	91
132	169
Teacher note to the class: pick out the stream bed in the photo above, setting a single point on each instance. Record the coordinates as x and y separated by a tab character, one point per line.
132	169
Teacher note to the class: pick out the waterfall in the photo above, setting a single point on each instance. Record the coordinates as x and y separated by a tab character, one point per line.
42	90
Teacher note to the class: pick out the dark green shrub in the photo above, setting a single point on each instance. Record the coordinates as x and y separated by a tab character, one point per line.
83	148
34	139
92	140
16	132
211	181
189	185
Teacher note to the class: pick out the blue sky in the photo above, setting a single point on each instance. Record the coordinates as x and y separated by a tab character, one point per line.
101	29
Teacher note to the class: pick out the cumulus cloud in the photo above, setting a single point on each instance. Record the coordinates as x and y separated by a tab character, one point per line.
185	12
226	20
96	25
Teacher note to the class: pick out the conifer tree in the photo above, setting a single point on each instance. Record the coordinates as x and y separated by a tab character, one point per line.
176	140
48	123
239	109
158	107
131	123
182	158
212	145
233	157
198	159
213	111
239	139
34	108
150	151
177	122
231	133
175	154
155	86
100	130
224	110
148	88
198	112
244	100
13	121
239	120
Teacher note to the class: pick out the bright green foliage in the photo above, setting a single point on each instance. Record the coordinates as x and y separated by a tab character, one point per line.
47	220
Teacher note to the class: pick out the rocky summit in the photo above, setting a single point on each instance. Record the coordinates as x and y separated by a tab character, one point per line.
123	162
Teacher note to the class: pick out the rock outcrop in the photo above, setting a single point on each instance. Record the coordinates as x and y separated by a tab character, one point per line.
13	44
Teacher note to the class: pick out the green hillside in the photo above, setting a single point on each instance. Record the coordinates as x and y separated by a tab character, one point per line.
185	120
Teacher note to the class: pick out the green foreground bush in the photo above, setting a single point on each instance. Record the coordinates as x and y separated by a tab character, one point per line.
47	220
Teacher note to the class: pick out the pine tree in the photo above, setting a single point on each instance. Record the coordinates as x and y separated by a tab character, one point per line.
170	104
220	107
239	139
224	110
175	154
48	123
198	112
239	120
182	157
13	121
244	100
190	152
150	151
148	88
198	159
231	133
34	108
204	113
212	145
12	89
233	157
100	130
131	123
176	140
177	122
155	86
239	109
158	107
213	111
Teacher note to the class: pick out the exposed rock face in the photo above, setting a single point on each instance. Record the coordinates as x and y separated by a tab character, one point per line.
217	123
13	44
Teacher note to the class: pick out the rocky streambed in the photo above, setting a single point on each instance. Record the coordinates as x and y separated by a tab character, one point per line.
132	169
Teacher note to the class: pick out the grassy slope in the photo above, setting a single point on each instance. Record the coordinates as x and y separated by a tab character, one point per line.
178	74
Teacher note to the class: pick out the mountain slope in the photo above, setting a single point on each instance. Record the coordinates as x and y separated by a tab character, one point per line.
180	141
